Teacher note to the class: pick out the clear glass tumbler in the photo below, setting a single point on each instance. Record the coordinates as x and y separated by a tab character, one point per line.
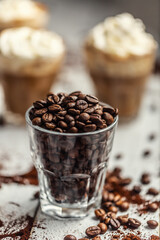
71	168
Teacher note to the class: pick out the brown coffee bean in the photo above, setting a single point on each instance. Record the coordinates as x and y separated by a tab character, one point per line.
124	206
93	231
50	126
114	223
58	130
90	128
152	207
71	105
106	205
108	118
125	181
73	130
37	121
84	117
113	209
73	111
107	220
62	124
62	113
89	110
136	189
71	124
47	117
96	238
91	99
123	219
81	96
83	239
133	223
68	118
145	179
109	110
70	237
153	191
54	108
39	104
80	125
82	104
52	98
111	214
103	217
40	112
152	224
99	212
111	197
117	197
96	119
103	227
75	93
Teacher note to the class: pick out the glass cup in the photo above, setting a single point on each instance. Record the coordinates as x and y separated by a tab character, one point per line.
71	168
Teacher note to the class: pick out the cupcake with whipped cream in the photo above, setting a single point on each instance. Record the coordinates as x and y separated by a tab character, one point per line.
29	62
120	57
18	13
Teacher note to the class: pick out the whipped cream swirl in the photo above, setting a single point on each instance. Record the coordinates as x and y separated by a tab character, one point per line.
29	44
122	36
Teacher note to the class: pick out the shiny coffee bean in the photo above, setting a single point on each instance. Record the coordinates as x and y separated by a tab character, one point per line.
123	219
99	212
93	231
152	207
70	237
153	191
152	224
114	223
133	223
103	227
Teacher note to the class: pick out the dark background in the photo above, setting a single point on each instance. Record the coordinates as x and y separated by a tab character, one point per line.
73	18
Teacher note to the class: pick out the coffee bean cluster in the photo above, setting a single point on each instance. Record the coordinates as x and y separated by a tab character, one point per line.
73	113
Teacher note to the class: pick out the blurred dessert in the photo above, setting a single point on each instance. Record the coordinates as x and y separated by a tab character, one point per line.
120	56
29	62
16	13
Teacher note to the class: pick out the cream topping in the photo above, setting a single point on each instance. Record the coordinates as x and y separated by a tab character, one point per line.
12	10
122	35
27	43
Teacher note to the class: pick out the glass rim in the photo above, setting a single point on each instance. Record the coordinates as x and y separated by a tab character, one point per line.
29	122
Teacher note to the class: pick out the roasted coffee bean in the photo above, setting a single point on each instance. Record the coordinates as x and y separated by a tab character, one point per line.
91	99
96	238
103	227
124	206
125	181
153	191
113	209
96	119
133	223
108	118
62	124
117	197
80	125
136	189
71	105
50	126
76	93
52	98
73	130
152	224
103	217
99	212
71	124
152	207
81	104
58	130
54	108
37	121
93	231
109	110
40	112
106	205
83	239
62	113
123	219
39	104
111	215
107	220
145	179
89	110
47	117
84	117
114	223
68	118
111	197
81	96
89	128
70	237
73	111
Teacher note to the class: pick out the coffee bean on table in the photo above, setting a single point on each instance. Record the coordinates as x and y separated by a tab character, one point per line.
145	178
114	223
123	219
152	224
136	189
70	237
152	207
96	238
99	212
103	227
113	209
124	206
93	231
133	223
153	191
83	239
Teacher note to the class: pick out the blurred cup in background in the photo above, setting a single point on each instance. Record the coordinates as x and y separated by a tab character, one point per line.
120	56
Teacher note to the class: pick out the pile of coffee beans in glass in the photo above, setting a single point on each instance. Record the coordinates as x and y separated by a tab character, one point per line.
73	113
73	154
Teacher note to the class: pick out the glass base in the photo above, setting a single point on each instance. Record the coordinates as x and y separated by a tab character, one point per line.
70	211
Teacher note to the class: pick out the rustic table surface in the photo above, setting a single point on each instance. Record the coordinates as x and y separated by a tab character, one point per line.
131	141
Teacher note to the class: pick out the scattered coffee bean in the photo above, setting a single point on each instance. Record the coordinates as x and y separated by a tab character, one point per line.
136	189
113	209
145	179
125	181
114	223
152	224
133	223
103	227
123	219
124	206
99	212
97	238
153	191
93	231
83	239
70	237
152	207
